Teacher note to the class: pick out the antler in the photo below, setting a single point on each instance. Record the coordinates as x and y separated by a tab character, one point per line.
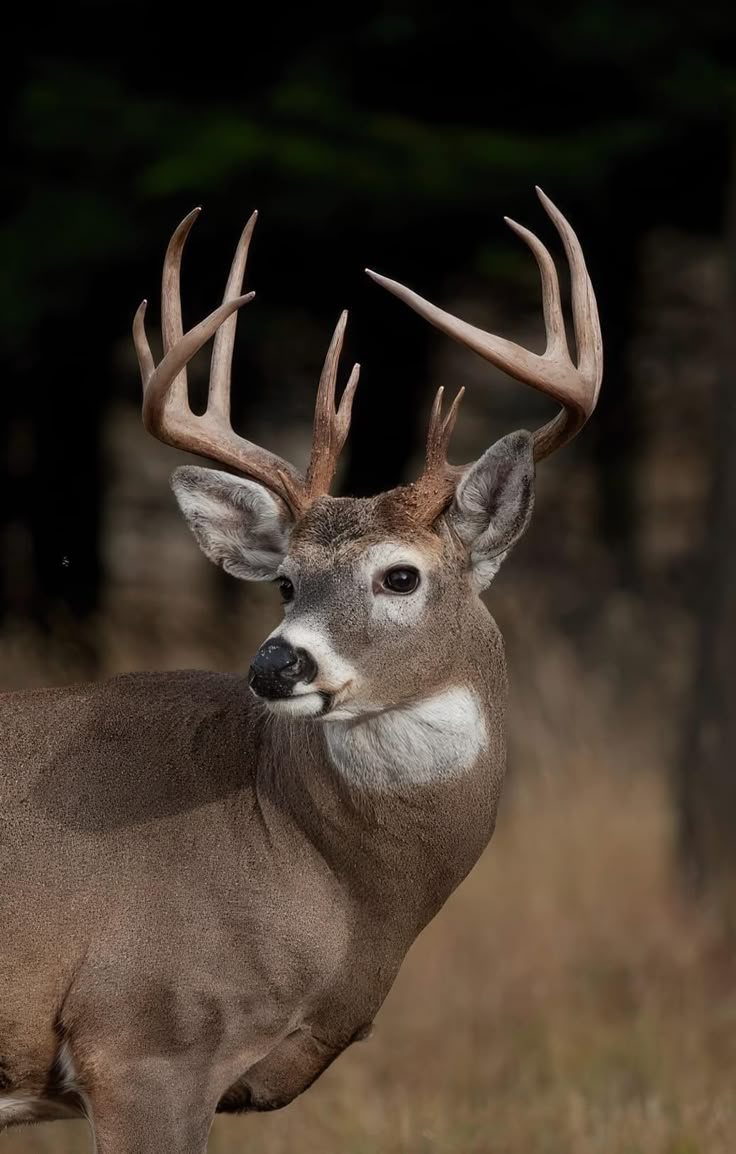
166	411
575	386
331	426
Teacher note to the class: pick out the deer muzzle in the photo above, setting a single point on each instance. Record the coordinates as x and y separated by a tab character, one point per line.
278	667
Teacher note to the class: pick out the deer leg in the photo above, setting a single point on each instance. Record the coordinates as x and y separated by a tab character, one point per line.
288	1070
148	1108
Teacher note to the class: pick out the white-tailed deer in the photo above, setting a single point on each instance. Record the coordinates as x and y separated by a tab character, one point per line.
210	881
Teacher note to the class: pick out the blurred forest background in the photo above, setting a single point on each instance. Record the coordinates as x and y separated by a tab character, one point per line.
579	993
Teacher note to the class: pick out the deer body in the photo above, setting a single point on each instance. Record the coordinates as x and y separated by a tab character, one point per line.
216	884
210	881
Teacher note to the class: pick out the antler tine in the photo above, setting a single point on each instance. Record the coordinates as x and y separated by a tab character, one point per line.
331	426
172	328
586	321
171	324
434	431
575	387
345	408
324	406
157	381
166	411
218	400
146	363
440	430
554	321
430	495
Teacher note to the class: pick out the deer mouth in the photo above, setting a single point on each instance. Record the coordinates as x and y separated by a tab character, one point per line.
313	703
318	704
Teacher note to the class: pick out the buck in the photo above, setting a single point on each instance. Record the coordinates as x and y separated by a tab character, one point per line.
210	881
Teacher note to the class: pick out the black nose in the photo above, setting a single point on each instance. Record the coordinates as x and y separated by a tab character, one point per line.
277	667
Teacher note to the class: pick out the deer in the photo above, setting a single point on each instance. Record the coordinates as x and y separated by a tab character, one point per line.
210	880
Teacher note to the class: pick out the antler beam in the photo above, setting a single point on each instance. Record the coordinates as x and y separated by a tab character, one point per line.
574	385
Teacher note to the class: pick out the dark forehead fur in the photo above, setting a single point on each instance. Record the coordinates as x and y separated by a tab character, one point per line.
336	522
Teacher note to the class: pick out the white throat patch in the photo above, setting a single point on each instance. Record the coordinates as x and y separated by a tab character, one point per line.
427	741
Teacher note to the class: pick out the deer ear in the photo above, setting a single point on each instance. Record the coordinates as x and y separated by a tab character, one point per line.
493	504
239	524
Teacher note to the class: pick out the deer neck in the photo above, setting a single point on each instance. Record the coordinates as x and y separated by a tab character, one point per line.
403	802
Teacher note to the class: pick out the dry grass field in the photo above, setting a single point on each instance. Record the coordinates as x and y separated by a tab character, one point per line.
569	999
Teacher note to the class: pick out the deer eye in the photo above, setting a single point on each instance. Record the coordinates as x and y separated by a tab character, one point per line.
402	579
286	589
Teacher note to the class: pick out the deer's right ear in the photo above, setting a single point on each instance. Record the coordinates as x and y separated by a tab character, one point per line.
493	504
238	523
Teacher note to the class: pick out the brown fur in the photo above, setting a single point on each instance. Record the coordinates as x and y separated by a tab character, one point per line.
195	901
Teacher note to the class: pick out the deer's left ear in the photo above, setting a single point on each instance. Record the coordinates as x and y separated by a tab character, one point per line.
493	504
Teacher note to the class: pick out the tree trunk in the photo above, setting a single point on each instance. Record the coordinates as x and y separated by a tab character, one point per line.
707	771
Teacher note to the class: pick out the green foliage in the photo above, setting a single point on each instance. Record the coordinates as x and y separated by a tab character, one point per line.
399	118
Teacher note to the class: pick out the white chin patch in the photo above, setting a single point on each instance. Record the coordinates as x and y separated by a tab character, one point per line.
300	705
420	743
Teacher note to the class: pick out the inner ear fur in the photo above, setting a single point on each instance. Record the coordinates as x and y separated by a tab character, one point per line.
493	503
239	524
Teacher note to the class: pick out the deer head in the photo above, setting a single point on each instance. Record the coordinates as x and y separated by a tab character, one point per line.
371	586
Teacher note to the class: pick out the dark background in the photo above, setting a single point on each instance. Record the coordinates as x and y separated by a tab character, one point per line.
395	136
